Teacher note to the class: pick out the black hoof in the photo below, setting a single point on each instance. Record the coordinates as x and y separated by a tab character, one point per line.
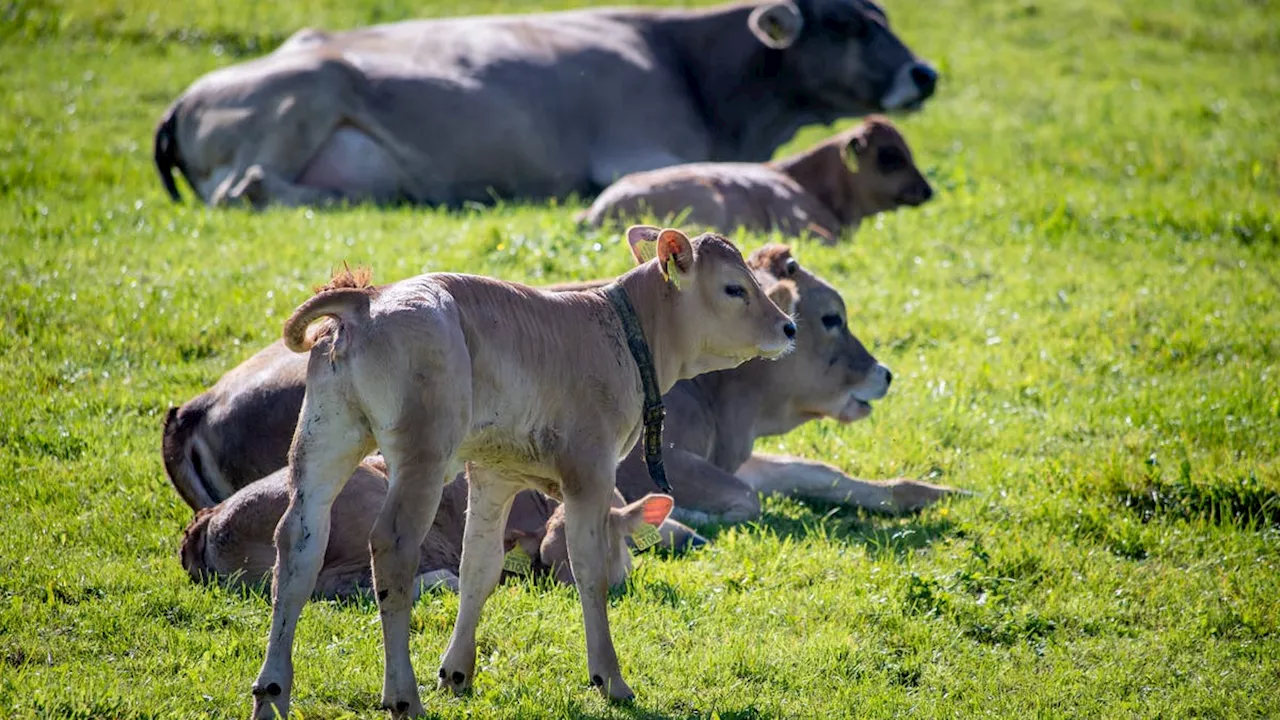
272	689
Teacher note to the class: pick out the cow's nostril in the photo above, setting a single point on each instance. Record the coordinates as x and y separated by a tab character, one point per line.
925	78
888	377
789	330
926	193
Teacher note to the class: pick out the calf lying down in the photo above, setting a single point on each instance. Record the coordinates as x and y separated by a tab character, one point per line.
533	389
815	191
232	542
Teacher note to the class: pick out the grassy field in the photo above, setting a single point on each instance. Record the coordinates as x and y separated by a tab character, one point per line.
1085	327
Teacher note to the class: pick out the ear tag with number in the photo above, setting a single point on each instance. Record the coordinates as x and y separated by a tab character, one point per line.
517	561
646	537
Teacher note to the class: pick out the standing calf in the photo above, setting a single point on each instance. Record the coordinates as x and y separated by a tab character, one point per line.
823	190
534	389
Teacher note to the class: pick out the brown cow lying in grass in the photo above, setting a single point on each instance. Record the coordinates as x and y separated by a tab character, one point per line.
232	541
814	191
533	389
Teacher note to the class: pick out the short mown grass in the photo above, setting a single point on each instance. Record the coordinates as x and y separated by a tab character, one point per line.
1085	328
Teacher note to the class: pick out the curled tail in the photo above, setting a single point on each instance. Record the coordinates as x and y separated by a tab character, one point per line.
182	460
166	152
344	305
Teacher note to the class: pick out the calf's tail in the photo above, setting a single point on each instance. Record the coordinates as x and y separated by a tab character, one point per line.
345	305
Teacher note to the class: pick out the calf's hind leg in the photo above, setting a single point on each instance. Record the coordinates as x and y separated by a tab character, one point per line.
489	498
418	465
326	449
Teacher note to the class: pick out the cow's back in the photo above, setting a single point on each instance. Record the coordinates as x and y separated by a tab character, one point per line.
514	105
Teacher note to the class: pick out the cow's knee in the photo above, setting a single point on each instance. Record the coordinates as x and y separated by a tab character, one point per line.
743	507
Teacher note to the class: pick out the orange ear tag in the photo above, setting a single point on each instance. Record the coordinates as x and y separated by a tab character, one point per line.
517	561
646	537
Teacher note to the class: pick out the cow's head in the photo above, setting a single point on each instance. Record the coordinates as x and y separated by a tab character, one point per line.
843	55
651	509
830	373
718	310
887	176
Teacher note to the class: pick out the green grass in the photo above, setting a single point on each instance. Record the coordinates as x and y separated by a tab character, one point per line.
1085	327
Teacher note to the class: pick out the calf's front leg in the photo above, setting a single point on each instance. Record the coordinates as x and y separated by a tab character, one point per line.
586	515
799	477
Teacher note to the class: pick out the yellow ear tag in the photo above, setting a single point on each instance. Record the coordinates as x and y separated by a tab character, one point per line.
646	537
517	561
674	279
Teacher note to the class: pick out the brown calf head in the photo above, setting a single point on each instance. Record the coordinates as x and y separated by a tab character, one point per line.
830	373
720	307
651	509
886	176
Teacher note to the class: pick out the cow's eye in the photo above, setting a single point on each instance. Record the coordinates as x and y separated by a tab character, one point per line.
832	321
890	159
792	266
736	291
847	21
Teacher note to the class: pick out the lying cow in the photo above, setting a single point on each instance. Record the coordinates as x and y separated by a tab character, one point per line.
232	541
534	106
240	429
237	433
714	420
823	190
534	389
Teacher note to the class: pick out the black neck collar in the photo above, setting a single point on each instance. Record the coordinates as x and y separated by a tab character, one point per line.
654	412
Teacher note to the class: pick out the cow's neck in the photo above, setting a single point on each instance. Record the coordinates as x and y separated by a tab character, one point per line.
654	301
734	401
747	108
821	171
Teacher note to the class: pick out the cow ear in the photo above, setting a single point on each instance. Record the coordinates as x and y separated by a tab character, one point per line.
777	25
856	145
675	254
643	241
651	509
774	260
785	295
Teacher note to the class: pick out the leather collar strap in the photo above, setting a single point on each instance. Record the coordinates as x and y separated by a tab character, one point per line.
654	412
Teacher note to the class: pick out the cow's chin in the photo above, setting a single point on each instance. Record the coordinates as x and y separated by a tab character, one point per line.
852	410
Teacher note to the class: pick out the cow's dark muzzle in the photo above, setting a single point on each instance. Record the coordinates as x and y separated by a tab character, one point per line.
926	80
917	194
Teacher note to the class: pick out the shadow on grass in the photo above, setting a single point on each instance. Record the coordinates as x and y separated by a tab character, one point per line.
880	534
631	710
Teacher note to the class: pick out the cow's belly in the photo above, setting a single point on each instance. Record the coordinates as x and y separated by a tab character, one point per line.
355	165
